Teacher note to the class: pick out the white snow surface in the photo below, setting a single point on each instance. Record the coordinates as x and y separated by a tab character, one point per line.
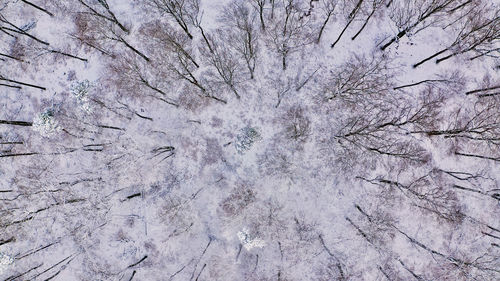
118	185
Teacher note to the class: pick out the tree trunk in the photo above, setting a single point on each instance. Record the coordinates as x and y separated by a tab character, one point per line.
394	39
418	83
20	31
68	55
429	58
11	57
38	7
351	17
10	86
323	27
342	33
134	49
482	90
235	92
16	123
206	39
261	15
18	154
446	58
364	25
22	83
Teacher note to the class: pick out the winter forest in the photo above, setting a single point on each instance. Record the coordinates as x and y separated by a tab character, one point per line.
259	140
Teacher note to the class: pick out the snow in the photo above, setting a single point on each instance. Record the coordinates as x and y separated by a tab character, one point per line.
225	191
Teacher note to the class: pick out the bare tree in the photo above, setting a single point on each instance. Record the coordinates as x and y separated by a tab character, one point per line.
227	66
100	34
241	33
259	6
182	11
175	55
290	31
135	75
430	194
297	124
377	119
38	7
478	32
473	127
106	14
358	77
412	17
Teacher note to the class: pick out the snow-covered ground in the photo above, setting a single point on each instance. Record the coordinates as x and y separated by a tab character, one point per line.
254	150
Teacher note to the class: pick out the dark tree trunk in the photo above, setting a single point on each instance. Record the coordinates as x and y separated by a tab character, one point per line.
261	16
351	17
429	58
134	49
68	55
364	25
446	58
482	90
11	57
10	86
16	123
38	7
418	83
22	83
206	40
341	33
394	39
323	27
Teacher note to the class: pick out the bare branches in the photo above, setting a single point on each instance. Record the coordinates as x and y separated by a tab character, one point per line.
478	32
99	33
259	6
338	264
107	14
242	34
161	150
176	59
181	11
412	17
199	259
66	261
479	126
290	32
376	5
13	28
450	258
429	195
298	125
134	74
227	67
